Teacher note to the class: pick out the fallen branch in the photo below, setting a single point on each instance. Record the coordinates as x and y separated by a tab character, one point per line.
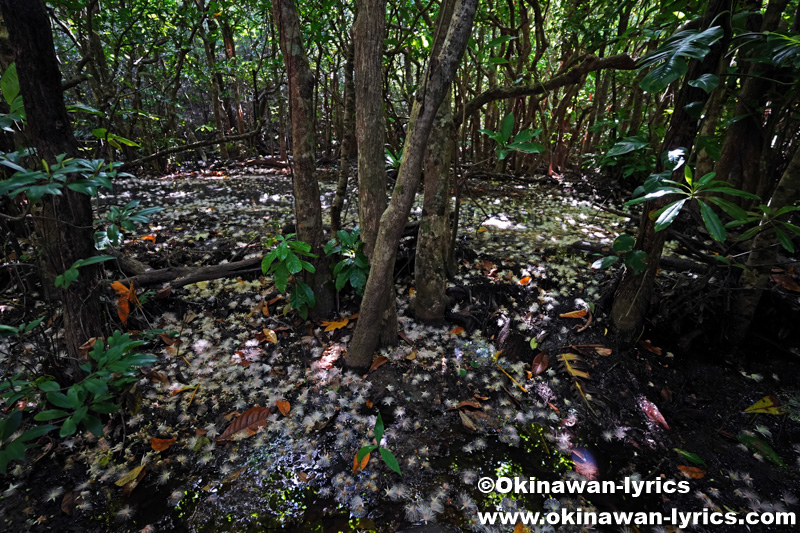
185	147
671	263
180	276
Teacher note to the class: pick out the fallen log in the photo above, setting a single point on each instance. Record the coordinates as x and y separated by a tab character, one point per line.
180	276
669	262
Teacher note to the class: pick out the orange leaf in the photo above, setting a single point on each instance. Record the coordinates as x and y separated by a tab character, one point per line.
692	472
580	313
160	445
151	238
467	403
247	423
647	345
369	404
333	325
359	467
525	280
270	335
183	389
519	528
378	362
457	330
169	341
121	289
284	407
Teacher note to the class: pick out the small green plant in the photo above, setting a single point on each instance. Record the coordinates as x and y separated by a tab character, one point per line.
120	219
705	190
636	260
765	218
520	143
632	156
14	444
285	260
71	274
392	160
353	267
387	456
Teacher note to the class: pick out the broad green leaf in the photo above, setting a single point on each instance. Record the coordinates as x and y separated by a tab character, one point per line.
667	214
51	414
712	221
281	275
627	145
68	428
500	40
10	424
507	127
661	76
36	432
636	261
756	445
59	400
729	207
92	423
605	262
293	263
364	451
708	82
784	239
390	460
9	83
623	243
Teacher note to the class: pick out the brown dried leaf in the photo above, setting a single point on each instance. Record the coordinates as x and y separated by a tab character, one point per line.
160	445
540	364
580	313
248	423
378	362
467	403
652	412
70	500
284	407
467	421
647	345
169	341
692	472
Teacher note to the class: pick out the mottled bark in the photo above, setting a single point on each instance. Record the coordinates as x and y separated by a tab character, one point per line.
433	238
433	87
634	291
348	142
307	205
368	33
64	223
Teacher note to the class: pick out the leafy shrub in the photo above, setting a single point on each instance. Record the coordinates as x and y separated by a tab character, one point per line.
353	267
285	260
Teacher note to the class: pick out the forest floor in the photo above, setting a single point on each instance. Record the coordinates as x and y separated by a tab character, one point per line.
671	408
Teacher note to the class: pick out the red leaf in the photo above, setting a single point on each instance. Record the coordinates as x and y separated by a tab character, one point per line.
540	364
378	362
652	412
248	422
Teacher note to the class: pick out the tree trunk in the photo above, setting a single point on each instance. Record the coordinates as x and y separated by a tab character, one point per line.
433	238
348	140
230	54
64	226
634	292
307	205
220	117
368	36
432	89
763	256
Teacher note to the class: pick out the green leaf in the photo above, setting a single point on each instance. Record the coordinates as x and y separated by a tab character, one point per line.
784	239
293	263
92	423
10	424
605	262
708	82
627	145
623	243
35	432
666	215
712	221
691	457
500	40
9	83
636	261
364	451
281	275
378	431
507	127
50	414
661	76
49	386
527	147
357	278
104	407
390	460
68	428
756	445
307	293
59	400
729	207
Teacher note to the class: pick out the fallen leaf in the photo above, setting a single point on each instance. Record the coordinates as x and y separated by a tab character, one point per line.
358	467
127	297
466	403
151	238
647	345
86	347
467	421
378	362
160	445
525	280
540	364
756	445
767	405
70	500
652	412
457	330
334	325
169	341
785	281
284	407
248	423
182	389
369	404
412	355
159	377
482	229
129	477
580	313
519	528
692	472
691	457
270	335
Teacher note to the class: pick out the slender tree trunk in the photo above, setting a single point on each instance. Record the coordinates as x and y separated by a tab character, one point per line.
348	140
368	43
230	54
432	89
763	256
220	117
634	292
64	225
307	205
433	238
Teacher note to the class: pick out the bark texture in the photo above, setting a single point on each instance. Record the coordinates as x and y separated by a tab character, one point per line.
433	87
64	223
307	206
348	142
